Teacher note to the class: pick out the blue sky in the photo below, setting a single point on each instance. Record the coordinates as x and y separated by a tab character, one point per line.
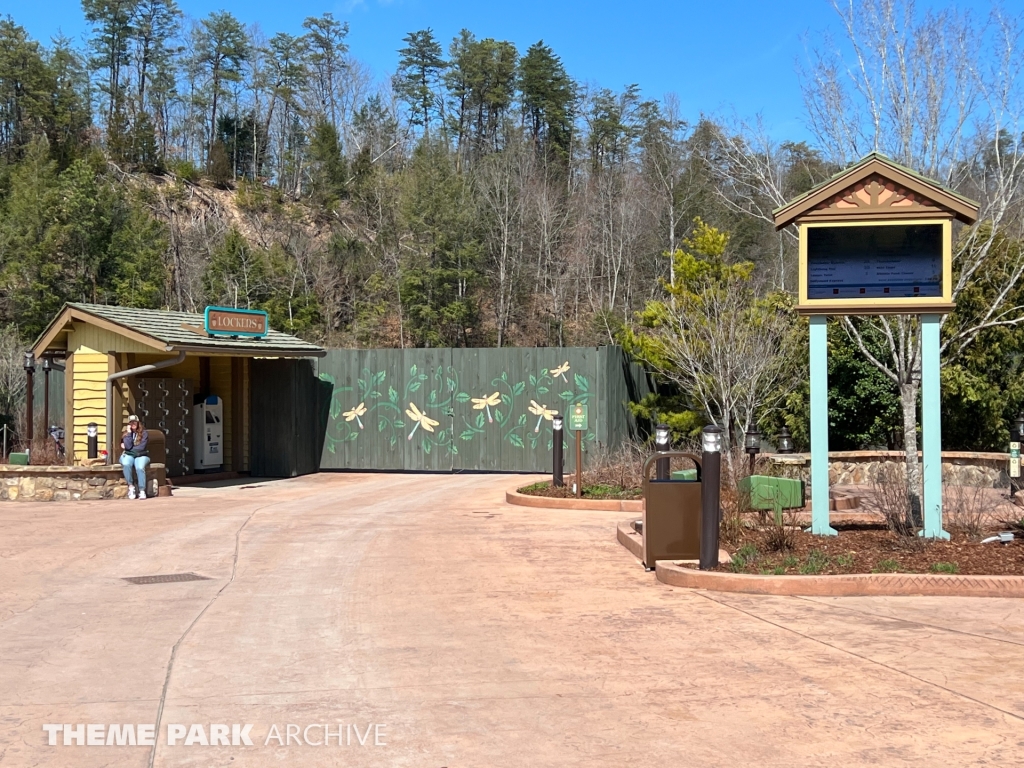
722	57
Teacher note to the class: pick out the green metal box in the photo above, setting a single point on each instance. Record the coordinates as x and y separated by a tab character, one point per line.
773	492
685	474
18	458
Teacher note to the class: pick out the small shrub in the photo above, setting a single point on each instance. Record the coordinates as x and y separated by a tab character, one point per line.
534	487
790	562
744	556
816	562
185	171
895	500
845	561
944	568
886	566
966	508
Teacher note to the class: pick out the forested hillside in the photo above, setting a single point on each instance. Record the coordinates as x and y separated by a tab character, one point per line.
483	195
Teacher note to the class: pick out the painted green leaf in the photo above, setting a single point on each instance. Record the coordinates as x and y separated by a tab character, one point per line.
433	396
542	390
335	408
412	371
507	400
414	386
327	377
453	449
480	419
504	376
378	378
522	419
462	397
567	395
516	440
393	441
374	394
581	382
533	380
467	434
362	385
399	424
451	385
392	395
381	423
425	445
519	388
498	416
354	435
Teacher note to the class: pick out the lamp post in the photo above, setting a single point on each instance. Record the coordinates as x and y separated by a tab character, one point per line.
1016	437
785	441
30	368
662	440
710	495
47	365
557	460
752	444
92	434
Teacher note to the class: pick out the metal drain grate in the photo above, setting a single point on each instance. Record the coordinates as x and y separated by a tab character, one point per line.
165	578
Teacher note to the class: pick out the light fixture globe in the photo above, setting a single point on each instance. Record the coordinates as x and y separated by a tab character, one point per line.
785	441
711	439
1018	428
662	436
30	362
556	422
752	441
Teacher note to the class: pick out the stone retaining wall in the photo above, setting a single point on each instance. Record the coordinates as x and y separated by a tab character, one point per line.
68	483
987	470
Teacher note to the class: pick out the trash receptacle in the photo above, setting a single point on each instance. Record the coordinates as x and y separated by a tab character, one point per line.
671	527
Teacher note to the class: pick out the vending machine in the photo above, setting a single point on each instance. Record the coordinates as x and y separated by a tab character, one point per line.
209	423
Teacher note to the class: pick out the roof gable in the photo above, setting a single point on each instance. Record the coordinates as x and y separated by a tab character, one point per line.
876	188
172	331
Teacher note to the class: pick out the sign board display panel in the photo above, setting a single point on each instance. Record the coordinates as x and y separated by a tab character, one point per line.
221	321
875	262
578	418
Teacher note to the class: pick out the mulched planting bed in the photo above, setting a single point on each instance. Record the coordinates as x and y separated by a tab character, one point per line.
596	491
871	548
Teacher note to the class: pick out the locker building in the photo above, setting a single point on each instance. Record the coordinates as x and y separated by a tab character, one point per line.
227	392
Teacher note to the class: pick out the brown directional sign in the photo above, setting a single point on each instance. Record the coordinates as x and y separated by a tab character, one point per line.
221	321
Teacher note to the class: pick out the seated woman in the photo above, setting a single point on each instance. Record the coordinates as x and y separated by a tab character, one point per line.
134	442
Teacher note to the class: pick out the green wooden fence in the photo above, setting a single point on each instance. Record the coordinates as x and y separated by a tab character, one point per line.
472	409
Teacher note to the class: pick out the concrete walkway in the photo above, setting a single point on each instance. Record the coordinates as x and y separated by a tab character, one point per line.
472	632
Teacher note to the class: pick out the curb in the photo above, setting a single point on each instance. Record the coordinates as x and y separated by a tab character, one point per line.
595	505
846	585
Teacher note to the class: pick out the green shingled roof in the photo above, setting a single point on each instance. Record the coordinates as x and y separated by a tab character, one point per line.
167	326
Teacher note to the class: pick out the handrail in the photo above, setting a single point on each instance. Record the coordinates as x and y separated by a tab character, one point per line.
668	455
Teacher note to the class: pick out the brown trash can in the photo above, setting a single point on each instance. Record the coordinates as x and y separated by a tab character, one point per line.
671	529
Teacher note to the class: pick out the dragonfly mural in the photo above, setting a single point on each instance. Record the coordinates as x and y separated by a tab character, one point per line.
541	412
481	403
355	413
419	419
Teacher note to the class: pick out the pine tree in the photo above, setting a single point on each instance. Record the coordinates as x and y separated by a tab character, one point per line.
419	71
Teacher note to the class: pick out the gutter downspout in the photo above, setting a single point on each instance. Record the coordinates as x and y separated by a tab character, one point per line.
110	392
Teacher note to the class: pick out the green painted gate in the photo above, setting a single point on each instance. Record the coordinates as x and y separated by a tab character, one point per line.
471	409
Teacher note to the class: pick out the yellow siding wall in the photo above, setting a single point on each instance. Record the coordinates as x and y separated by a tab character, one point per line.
220	385
90	375
102	340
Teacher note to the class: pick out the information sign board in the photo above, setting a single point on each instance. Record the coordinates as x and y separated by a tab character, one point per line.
578	418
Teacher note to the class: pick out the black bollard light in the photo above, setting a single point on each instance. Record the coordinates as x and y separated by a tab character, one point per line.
92	434
30	368
662	440
1016	436
557	459
710	495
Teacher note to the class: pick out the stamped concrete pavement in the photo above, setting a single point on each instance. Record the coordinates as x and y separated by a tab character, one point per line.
423	613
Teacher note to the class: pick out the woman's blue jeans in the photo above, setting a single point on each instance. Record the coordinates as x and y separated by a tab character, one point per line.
140	463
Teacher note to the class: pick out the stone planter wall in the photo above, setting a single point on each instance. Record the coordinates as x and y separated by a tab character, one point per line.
68	483
987	470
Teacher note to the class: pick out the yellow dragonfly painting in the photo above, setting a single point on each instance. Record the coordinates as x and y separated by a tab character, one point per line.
560	371
542	412
421	419
482	403
355	413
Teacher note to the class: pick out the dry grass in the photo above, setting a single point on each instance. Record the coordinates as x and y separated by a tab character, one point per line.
895	501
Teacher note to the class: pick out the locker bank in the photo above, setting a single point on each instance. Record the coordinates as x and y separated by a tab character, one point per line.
227	392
